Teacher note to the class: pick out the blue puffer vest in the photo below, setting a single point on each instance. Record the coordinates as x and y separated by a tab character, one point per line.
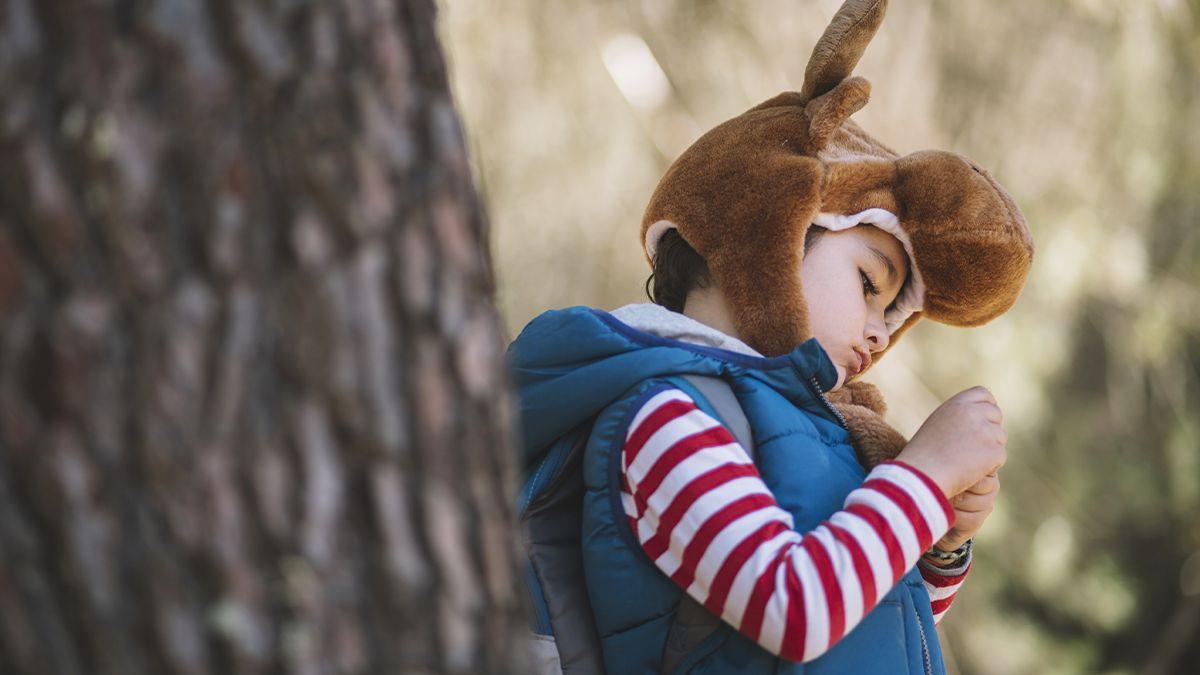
571	364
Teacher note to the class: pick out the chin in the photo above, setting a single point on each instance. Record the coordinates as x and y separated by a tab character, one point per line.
841	379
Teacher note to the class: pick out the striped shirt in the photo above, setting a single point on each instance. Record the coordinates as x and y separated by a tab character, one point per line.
700	510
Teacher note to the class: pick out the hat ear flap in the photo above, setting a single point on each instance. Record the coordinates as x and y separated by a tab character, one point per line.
842	44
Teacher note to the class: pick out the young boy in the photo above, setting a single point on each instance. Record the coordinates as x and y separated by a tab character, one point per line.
674	503
789	250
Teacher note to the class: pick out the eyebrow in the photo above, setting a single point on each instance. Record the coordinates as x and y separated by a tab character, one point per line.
883	258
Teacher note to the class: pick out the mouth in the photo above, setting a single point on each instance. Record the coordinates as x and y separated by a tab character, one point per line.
864	360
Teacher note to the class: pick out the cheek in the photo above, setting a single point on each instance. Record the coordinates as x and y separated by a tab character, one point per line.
836	307
836	315
825	322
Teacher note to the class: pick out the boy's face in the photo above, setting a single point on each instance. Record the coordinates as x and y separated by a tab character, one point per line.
848	284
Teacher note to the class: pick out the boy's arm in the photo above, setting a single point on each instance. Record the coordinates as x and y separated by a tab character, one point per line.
701	512
942	583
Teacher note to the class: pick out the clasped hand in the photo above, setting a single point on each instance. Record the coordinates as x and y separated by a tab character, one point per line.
971	507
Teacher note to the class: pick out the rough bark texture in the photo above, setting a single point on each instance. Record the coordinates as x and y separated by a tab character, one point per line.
252	406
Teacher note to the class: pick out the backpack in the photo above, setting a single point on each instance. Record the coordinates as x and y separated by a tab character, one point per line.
550	509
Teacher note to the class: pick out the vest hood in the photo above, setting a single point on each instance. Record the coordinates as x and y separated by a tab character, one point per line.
569	364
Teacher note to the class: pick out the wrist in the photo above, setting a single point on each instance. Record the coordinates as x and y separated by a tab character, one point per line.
949	545
933	483
929	471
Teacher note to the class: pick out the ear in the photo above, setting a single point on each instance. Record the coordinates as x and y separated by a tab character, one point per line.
842	44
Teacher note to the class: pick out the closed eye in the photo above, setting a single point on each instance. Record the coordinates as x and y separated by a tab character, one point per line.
868	283
870	288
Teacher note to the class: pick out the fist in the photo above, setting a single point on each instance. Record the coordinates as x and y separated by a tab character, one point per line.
961	442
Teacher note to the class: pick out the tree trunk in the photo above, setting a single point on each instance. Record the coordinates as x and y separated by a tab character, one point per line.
253	412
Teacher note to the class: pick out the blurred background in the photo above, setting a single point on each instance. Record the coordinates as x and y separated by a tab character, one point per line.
1088	111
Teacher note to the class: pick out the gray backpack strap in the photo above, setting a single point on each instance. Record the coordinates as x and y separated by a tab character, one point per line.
721	397
551	525
693	623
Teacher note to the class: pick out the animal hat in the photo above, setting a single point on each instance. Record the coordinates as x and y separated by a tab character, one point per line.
745	193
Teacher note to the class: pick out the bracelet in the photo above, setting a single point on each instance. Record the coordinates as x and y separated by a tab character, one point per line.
948	557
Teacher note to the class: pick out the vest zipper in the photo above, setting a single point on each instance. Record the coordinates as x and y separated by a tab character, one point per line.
828	406
924	645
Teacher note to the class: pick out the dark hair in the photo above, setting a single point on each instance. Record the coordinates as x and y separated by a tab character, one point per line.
678	268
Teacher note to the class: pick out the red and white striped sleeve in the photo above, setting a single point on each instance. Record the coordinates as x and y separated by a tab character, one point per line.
702	513
942	584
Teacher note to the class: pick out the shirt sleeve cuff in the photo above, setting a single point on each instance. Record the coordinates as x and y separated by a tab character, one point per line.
955	571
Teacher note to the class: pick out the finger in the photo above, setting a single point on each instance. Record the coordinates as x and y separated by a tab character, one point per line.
986	485
966	496
973	503
992	412
1003	459
982	393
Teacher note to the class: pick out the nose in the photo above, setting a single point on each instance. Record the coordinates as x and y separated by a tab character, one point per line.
877	336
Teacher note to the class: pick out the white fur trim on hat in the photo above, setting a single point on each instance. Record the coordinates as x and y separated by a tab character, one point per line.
912	296
654	233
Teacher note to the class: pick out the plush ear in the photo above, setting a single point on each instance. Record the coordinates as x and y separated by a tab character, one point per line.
827	112
842	44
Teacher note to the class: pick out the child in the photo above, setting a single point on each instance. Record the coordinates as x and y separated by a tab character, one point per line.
789	250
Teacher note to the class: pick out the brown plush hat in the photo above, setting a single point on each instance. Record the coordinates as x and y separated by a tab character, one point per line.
744	195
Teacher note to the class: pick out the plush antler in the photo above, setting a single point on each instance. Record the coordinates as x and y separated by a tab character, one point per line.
841	46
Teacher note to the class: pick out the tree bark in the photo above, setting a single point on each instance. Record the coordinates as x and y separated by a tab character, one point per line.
253	412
